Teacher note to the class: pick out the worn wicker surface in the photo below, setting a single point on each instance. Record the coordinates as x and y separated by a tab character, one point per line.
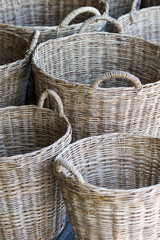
49	17
74	67
149	3
144	24
15	63
31	206
121	7
111	187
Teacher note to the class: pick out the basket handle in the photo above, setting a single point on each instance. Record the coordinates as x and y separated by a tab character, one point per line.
134	4
33	41
75	13
53	95
101	18
60	163
118	74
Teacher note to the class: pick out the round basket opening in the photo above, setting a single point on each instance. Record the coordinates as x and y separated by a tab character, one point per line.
44	13
80	59
116	161
27	129
13	47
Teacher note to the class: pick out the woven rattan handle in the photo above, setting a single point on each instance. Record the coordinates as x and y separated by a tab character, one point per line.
135	4
33	41
55	96
60	163
101	18
118	74
76	12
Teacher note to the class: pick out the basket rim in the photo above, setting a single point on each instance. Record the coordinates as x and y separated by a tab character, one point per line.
18	157
102	190
137	12
19	61
74	84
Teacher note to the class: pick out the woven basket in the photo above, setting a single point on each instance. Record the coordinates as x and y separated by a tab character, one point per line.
121	7
150	3
30	137
144	24
74	67
111	187
52	18
15	61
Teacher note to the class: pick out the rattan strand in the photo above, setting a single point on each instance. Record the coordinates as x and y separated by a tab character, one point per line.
15	60
25	16
144	24
31	205
111	187
70	65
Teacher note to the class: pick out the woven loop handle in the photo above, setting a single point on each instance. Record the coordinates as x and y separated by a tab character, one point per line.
134	4
60	163
34	40
118	74
101	18
55	96
76	12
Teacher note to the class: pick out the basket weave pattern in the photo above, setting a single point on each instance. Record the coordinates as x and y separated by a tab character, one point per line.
31	203
111	187
74	67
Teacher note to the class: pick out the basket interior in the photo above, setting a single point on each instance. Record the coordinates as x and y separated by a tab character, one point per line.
44	12
150	3
116	161
12	47
27	129
81	60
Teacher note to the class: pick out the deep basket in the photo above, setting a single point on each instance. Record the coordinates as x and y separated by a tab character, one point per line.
31	203
52	17
144	24
80	68
15	62
111	187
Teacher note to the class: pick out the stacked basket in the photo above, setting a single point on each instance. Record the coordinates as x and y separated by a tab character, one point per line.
107	86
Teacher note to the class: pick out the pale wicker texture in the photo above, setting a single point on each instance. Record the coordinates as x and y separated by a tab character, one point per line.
121	7
144	24
31	205
72	64
52	17
111	187
15	61
150	3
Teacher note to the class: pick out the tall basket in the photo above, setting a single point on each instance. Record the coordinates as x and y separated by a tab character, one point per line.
15	63
111	187
31	136
80	68
52	17
144	24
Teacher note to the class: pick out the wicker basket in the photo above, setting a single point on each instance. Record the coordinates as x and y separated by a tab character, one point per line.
74	66
31	203
111	187
15	61
149	3
144	24
121	7
52	18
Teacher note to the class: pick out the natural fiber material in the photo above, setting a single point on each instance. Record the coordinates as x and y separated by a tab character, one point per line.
31	205
121	7
75	66
144	24
52	17
111	187
150	3
15	60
